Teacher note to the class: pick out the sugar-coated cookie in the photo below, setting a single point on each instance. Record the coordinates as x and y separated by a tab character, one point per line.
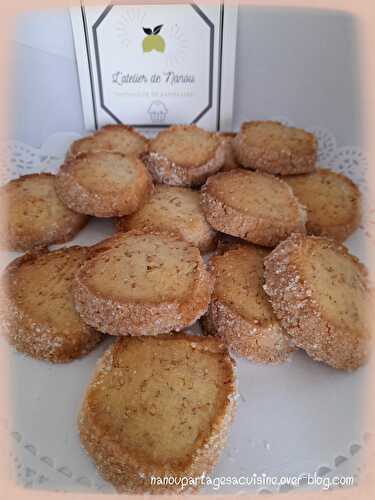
333	203
275	148
104	184
37	306
175	210
240	311
158	407
35	215
319	293
121	138
143	284
254	206
185	155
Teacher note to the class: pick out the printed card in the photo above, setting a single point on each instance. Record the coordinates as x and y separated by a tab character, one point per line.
151	66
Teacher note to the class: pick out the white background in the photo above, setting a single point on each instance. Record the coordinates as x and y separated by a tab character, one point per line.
297	63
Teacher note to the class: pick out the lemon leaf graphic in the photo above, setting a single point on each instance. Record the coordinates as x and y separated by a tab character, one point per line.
148	31
157	29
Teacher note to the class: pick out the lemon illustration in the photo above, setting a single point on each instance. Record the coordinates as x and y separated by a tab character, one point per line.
153	41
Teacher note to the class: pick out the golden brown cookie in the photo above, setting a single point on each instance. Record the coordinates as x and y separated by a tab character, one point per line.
319	293
104	184
158	407
257	207
143	284
37	307
230	161
333	203
185	155
121	138
175	210
239	311
275	148
35	216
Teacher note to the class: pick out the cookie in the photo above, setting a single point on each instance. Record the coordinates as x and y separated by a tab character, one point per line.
320	295
158	407
143	284
239	311
230	161
275	148
121	138
185	155
254	206
175	210
333	203
37	307
104	184
35	216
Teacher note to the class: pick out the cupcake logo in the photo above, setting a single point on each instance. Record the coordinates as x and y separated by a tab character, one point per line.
152	40
157	112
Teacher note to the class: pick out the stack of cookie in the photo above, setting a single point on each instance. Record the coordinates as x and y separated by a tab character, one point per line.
280	199
160	401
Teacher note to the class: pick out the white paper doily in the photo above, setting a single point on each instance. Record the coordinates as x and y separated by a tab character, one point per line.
297	418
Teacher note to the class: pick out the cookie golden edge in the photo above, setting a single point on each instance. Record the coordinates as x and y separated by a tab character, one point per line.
281	162
74	150
128	475
207	243
165	171
142	318
300	315
28	242
248	339
338	232
27	336
80	199
52	235
256	230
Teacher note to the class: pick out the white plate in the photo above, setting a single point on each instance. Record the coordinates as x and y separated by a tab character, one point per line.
297	418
